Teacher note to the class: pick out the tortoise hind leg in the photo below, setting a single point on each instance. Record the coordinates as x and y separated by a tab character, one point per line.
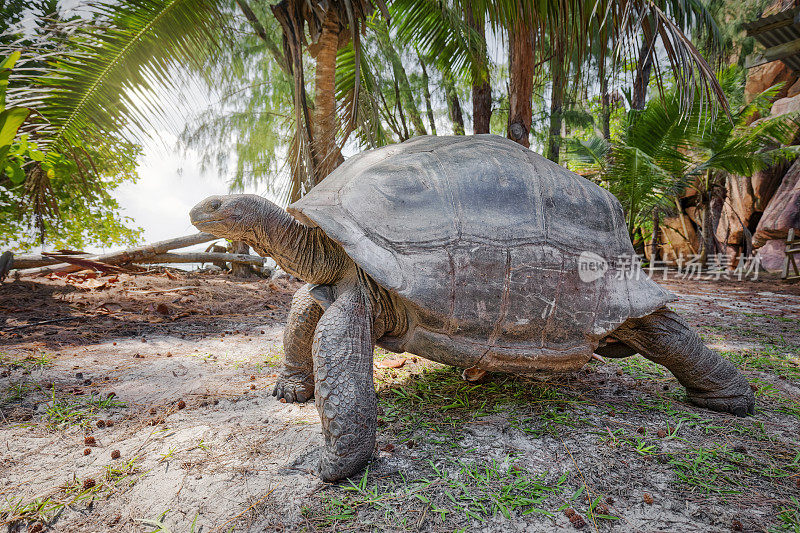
296	380
711	381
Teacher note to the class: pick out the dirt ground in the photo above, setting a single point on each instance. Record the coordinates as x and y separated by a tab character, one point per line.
143	403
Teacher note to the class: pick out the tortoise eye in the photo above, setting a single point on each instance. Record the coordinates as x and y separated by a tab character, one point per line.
214	204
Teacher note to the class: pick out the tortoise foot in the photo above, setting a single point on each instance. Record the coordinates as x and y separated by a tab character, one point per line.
737	399
294	387
342	458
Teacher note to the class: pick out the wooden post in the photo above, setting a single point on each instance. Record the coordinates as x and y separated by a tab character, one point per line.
791	251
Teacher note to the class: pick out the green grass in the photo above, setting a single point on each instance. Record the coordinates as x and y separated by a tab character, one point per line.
77	410
28	363
449	493
789	517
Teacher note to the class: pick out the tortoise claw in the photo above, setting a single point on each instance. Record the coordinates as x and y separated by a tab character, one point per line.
294	388
739	402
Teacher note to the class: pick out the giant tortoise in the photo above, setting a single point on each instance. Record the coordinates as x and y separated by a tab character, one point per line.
470	251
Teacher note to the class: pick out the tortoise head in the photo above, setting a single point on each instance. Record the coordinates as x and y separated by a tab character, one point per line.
233	216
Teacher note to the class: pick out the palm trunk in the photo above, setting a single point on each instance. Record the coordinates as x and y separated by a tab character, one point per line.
643	67
520	51
605	99
481	88
556	106
323	147
708	235
656	235
427	92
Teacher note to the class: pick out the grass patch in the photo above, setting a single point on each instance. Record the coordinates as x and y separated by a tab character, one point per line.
451	494
29	363
77	410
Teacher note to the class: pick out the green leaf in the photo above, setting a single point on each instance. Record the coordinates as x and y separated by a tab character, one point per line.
5	72
10	121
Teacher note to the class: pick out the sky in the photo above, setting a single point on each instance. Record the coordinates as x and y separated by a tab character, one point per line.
170	184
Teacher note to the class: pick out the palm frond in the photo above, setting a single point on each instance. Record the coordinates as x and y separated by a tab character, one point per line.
108	66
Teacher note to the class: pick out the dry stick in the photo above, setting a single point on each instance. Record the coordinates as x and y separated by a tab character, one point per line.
42	322
267	495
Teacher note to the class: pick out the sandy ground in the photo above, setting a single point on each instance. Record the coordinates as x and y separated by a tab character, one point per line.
182	365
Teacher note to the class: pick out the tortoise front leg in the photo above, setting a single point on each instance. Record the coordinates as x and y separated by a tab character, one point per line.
296	379
345	393
711	381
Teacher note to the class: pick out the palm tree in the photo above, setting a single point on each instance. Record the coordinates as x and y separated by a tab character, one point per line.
663	149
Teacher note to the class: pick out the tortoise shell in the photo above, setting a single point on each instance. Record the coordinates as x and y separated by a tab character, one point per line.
500	255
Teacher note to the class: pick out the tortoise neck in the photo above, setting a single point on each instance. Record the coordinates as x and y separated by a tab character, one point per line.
300	250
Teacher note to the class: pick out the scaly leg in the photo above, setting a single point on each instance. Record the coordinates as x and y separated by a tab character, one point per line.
711	381
345	393
296	379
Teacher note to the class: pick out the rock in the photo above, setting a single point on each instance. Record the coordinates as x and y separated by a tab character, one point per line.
772	255
762	77
737	211
783	210
794	90
765	183
783	106
672	241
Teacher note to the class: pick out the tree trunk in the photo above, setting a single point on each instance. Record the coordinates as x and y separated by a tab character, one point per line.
656	235
481	88
427	91
556	105
643	67
605	98
453	103
323	148
520	51
241	270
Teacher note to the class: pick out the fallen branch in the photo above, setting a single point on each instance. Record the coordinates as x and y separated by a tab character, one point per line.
205	257
89	263
131	255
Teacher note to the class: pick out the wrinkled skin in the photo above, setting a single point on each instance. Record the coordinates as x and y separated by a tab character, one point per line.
330	334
